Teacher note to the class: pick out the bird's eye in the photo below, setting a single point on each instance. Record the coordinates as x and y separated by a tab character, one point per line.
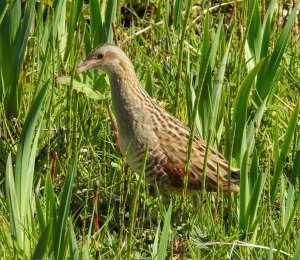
100	55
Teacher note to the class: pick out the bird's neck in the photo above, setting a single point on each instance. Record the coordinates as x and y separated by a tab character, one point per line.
128	98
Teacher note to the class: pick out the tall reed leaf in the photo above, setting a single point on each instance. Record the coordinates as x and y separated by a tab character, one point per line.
258	39
54	27
3	9
149	83
217	91
266	29
96	21
244	193
19	188
267	81
162	249
293	184
254	202
206	104
177	13
240	117
155	243
284	152
255	32
251	186
42	245
12	200
26	151
60	242
253	128
110	15
74	254
102	17
297	250
75	12
12	51
196	89
267	76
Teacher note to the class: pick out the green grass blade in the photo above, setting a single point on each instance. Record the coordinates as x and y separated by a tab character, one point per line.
266	83
207	102
191	97
95	22
217	89
259	216
158	12
177	13
26	153
204	75
254	34
22	39
283	153
283	40
288	225
74	253
276	141
134	203
255	198
19	187
40	213
162	250
59	10
42	245
253	170
244	193
155	243
239	119
110	16
215	45
61	227
180	49
3	9
149	83
297	249
295	176
51	211
76	9
266	29
252	128
9	27
12	49
12	200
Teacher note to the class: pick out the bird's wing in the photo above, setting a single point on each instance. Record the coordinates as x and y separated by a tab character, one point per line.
173	141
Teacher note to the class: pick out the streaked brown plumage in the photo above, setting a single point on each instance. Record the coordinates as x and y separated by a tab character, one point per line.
140	121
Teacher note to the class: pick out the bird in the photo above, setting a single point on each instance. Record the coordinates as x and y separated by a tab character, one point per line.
142	124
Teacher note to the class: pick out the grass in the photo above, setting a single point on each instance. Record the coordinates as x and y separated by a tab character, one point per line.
230	71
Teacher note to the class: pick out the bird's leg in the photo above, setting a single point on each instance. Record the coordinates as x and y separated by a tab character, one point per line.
113	123
195	202
165	199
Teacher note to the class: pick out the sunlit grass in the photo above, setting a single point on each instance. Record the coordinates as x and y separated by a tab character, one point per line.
230	72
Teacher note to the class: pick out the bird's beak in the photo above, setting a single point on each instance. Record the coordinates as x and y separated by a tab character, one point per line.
86	65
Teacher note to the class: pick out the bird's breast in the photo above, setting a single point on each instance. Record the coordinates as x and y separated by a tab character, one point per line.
134	138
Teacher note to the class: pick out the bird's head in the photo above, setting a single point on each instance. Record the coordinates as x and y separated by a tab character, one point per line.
108	58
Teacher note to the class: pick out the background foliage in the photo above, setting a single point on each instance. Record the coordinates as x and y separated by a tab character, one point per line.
229	70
